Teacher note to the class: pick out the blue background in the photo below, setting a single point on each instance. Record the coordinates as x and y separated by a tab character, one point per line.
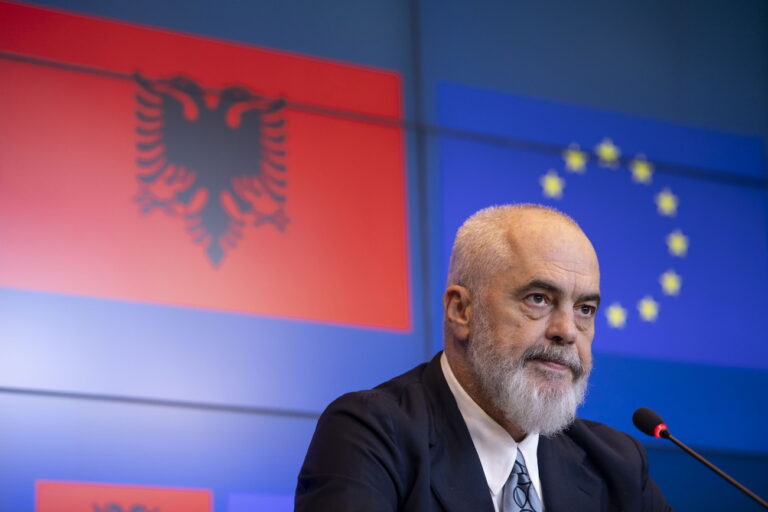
94	390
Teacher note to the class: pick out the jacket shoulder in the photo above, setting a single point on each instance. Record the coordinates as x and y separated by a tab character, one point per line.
386	398
367	447
621	461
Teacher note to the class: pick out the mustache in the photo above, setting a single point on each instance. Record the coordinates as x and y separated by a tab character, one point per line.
556	354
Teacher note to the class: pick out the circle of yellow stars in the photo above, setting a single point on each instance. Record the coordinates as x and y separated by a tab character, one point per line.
608	155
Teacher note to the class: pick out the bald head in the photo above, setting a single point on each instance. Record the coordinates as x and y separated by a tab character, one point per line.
489	240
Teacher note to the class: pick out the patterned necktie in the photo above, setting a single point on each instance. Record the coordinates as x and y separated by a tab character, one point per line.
518	494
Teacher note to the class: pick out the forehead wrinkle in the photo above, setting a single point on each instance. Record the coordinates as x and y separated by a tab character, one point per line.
573	269
525	229
582	260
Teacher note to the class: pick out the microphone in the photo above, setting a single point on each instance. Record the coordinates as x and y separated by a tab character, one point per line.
650	423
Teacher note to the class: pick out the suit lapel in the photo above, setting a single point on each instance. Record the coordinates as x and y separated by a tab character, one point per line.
566	481
458	479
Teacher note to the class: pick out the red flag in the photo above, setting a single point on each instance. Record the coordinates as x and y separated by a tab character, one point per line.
335	249
77	497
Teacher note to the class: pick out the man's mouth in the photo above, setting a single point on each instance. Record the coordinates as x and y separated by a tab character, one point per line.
555	363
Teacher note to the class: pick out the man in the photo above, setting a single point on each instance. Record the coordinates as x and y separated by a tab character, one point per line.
488	425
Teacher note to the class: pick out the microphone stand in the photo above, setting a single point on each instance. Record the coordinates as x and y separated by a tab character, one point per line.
666	435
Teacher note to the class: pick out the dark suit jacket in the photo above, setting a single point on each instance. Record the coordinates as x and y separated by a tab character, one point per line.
404	446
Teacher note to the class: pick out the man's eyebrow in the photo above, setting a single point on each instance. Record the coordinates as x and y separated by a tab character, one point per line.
538	284
591	297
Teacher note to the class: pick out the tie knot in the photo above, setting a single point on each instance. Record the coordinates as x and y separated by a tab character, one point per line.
520	469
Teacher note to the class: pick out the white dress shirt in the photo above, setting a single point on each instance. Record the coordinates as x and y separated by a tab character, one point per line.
495	447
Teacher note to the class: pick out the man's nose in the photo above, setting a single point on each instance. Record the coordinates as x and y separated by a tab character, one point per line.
562	327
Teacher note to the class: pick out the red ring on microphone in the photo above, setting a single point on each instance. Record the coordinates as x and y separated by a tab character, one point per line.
658	428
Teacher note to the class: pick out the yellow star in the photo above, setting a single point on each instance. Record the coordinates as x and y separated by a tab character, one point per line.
671	282
617	315
648	308
642	169
608	153
677	243
552	185
575	159
666	202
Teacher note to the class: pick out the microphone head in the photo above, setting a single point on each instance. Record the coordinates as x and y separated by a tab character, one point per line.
648	422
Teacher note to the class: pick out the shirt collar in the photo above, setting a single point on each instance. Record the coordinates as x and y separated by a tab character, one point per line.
496	449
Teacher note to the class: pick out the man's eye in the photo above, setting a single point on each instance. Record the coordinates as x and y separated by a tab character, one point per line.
537	299
587	310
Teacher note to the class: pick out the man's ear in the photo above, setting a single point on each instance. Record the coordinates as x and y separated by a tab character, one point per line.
457	308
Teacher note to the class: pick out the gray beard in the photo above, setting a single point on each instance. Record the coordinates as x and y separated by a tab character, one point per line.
531	398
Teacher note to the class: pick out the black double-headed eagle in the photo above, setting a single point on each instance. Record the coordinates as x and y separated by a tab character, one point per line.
215	158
